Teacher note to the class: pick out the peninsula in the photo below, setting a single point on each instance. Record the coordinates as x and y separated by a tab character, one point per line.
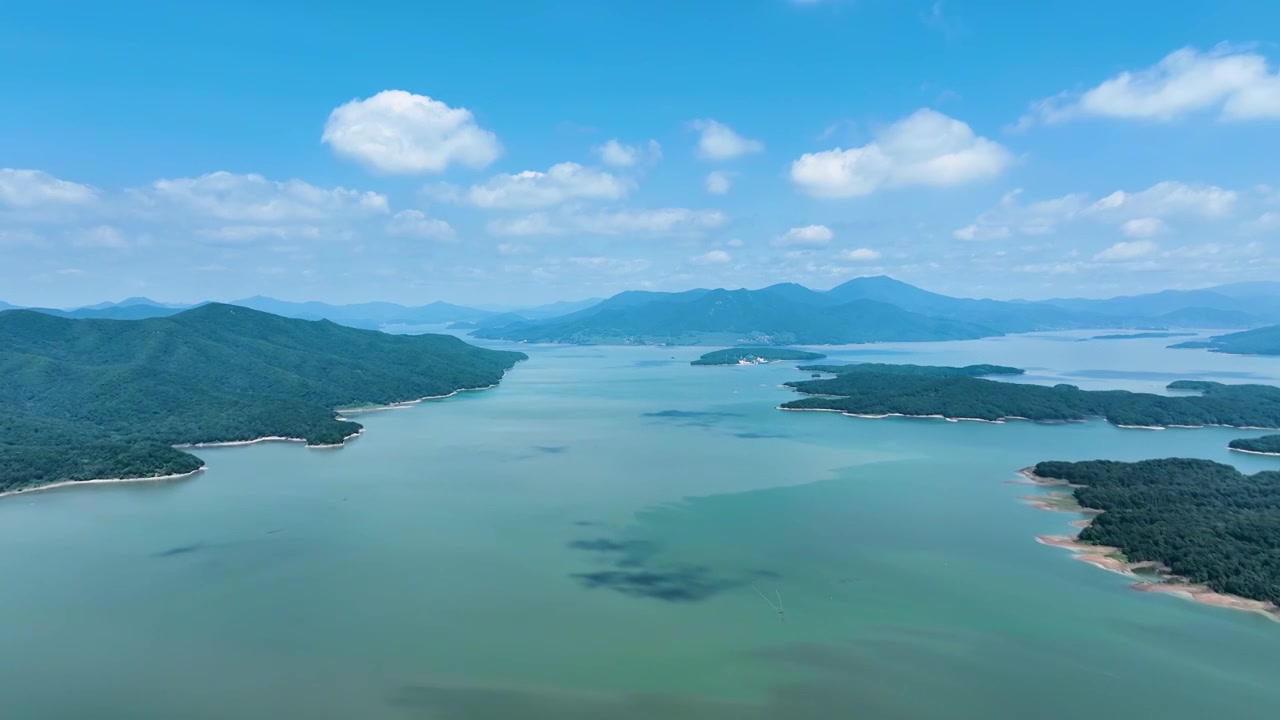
98	399
1209	529
1265	445
1259	341
754	356
963	393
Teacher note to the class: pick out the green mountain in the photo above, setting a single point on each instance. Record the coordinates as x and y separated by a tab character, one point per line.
737	316
372	315
98	398
1259	341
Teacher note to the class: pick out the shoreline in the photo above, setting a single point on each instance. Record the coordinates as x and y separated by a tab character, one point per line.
1113	560
1254	452
409	403
102	481
269	438
1003	420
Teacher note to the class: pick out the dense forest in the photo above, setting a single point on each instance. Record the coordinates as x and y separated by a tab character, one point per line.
921	370
1206	521
87	399
1265	444
733	356
951	392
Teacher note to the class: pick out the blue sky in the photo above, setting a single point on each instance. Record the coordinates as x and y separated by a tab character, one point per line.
507	151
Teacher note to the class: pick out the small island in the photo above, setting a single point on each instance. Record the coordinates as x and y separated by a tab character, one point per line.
879	390
1197	528
1259	341
1143	335
1265	445
108	400
754	356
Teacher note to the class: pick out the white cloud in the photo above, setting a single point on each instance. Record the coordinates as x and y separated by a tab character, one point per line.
807	236
510	249
717	141
1236	83
1126	251
714	257
609	265
1144	227
719	182
617	154
1010	217
926	148
533	189
663	221
734	243
860	255
101	236
400	132
255	199
415	223
36	188
1167	198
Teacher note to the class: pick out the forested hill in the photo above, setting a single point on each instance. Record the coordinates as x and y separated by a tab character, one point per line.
85	399
1206	521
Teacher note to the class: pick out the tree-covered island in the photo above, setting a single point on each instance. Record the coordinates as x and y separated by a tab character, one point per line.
1265	445
754	356
962	393
89	399
1205	522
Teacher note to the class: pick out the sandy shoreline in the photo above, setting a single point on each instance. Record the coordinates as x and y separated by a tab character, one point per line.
101	481
1001	421
409	403
1112	559
1254	452
269	438
897	415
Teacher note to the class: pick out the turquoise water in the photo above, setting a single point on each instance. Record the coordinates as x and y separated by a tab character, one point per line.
582	542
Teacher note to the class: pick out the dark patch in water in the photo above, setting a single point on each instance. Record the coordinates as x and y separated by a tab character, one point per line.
690	584
760	436
551	449
585	523
626	553
656	363
179	550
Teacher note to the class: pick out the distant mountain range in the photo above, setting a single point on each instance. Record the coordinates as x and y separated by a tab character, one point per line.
868	309
879	309
371	316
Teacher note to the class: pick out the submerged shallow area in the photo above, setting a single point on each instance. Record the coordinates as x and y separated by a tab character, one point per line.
582	541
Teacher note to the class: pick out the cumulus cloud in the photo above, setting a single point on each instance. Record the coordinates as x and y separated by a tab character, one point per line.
717	141
400	132
1238	84
533	189
713	257
719	182
663	221
860	255
926	148
1126	251
415	223
617	154
101	236
38	189
1168	198
807	236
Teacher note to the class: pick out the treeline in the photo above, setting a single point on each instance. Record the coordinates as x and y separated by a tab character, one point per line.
913	392
921	370
1264	444
112	396
1206	521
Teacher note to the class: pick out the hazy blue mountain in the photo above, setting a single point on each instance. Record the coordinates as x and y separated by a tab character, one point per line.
1262	309
107	311
555	309
1259	341
1260	288
767	316
127	302
370	315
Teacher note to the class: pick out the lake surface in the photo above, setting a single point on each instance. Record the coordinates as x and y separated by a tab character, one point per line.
587	541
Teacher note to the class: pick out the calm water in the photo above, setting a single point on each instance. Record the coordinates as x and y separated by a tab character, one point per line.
582	543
